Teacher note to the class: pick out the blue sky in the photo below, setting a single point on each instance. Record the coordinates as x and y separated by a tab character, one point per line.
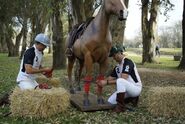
133	23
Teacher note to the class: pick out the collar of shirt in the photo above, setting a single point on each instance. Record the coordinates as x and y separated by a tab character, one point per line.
36	50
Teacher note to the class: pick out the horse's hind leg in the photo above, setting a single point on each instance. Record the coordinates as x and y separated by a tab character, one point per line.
71	61
79	74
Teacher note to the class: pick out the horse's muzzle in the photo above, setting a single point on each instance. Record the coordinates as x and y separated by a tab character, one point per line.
123	15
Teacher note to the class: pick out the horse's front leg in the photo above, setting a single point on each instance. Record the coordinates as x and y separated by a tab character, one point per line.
88	77
103	68
71	61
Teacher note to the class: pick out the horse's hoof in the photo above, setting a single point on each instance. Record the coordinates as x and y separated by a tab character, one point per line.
78	88
100	101
72	91
86	102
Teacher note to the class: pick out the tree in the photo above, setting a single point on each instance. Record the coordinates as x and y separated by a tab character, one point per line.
118	28
148	29
171	36
149	26
182	62
39	16
78	12
7	14
59	60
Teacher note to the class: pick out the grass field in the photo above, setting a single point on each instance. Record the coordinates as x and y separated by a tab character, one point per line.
9	67
165	62
163	51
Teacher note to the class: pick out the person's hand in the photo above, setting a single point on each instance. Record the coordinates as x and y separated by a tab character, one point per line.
101	83
44	86
48	72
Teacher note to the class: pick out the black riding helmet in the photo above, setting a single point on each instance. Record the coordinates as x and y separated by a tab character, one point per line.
115	49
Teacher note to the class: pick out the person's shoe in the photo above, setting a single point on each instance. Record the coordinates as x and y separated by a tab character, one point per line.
120	107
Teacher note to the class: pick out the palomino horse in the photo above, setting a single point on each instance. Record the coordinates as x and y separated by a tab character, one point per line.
94	45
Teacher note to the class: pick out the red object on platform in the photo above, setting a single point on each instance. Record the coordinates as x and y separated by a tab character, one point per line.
87	81
86	87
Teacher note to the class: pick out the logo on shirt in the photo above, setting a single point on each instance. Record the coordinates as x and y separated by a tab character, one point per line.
127	68
36	58
117	70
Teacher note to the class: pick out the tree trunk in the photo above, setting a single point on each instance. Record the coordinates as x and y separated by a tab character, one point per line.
39	22
149	30
78	13
33	31
182	62
24	40
88	8
118	28
18	41
3	46
59	60
13	49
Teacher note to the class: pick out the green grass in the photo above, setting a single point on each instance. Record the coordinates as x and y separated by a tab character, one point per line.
9	67
163	51
164	62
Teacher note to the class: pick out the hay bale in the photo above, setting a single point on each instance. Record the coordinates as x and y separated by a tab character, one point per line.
55	82
167	101
41	79
39	103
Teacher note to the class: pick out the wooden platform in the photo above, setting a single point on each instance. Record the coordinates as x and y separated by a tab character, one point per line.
77	101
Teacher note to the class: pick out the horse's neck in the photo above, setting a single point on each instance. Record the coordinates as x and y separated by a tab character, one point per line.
102	21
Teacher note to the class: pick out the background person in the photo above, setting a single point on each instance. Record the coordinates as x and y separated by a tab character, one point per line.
157	51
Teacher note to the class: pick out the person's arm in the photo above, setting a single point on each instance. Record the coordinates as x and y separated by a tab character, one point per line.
30	70
107	81
124	76
110	80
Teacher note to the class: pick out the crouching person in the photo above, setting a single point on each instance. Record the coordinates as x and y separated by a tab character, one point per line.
126	78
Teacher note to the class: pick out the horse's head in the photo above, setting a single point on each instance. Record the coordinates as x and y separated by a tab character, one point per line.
116	7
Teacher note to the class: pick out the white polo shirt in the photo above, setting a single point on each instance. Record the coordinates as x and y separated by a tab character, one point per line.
33	57
127	66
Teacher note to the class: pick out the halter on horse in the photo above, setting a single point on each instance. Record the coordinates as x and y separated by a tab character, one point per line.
94	46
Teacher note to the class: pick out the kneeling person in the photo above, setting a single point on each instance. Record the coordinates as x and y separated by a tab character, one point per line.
31	63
